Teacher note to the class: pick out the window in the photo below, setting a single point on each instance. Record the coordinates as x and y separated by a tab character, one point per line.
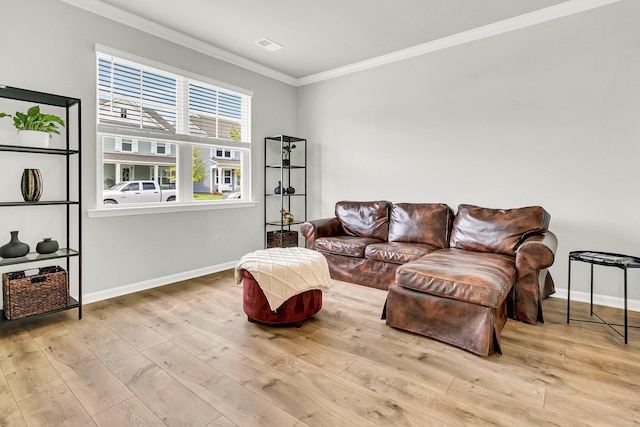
127	145
152	118
226	154
160	148
132	187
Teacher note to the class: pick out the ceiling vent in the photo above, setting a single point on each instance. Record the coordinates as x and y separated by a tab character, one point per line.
269	44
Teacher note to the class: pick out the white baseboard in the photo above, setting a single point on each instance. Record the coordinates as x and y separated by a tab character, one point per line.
608	301
633	305
154	283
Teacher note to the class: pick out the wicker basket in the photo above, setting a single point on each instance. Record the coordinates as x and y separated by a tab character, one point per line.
25	295
282	239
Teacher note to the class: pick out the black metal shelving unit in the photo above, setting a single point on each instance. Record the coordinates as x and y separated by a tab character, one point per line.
72	108
287	174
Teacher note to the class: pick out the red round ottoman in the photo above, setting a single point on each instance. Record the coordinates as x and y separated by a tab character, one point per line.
294	310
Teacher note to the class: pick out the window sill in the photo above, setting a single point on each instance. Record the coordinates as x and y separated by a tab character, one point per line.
167	207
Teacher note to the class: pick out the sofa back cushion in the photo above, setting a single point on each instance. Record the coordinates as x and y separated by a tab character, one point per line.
364	219
428	223
496	230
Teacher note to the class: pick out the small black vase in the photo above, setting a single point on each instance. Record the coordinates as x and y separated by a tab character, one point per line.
291	190
31	185
47	246
15	248
278	189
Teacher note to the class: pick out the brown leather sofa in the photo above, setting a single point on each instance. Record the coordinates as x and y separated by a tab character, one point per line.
366	241
455	278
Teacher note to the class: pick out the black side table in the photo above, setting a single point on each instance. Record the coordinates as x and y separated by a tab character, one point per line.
606	259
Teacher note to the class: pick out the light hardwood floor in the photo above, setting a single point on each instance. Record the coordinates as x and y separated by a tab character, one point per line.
185	355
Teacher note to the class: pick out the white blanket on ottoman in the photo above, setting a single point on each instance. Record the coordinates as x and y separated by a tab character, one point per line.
285	272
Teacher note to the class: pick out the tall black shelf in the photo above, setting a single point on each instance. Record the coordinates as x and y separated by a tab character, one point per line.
287	173
72	230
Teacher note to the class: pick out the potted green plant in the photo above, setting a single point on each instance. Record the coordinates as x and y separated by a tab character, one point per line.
286	153
35	128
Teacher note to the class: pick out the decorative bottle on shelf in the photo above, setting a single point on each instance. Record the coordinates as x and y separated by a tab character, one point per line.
31	185
15	248
47	246
278	189
290	190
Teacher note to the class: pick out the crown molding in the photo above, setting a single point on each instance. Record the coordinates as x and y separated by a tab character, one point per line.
123	17
547	14
522	21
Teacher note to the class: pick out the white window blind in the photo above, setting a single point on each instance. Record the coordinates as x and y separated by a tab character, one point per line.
135	99
130	96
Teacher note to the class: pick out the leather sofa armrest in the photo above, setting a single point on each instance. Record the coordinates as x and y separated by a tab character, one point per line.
536	252
320	228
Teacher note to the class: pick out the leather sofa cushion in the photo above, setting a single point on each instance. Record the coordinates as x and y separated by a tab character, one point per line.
397	252
496	230
475	277
428	223
345	245
364	219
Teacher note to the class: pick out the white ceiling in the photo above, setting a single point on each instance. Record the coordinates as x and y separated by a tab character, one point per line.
321	36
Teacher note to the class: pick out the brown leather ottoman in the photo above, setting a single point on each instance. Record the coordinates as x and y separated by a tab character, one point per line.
455	296
294	310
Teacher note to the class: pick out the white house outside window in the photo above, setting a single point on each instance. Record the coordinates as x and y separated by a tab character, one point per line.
188	133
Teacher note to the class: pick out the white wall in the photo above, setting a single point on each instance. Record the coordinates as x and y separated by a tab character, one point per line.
49	46
548	115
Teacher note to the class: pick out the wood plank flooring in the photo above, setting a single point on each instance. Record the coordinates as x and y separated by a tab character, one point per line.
185	355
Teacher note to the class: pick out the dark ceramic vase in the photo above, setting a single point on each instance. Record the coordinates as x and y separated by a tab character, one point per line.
278	189
15	248
291	190
31	185
47	246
